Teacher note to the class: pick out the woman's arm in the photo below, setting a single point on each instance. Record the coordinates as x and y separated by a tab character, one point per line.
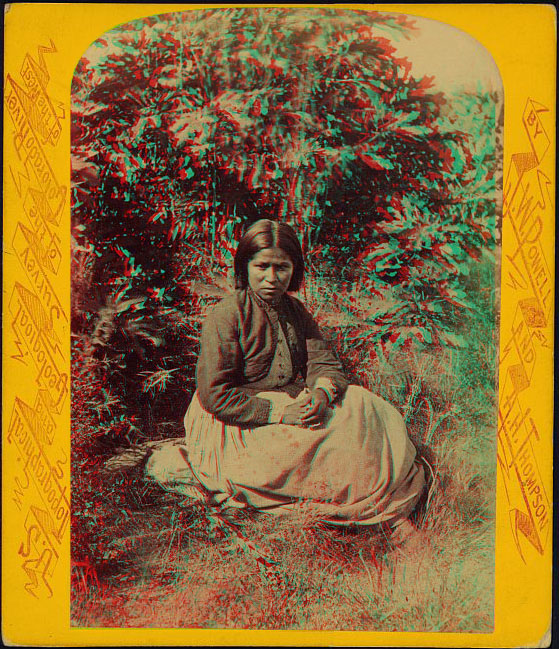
324	371
219	372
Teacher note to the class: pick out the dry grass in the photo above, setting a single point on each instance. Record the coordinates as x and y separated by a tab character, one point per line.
175	563
319	579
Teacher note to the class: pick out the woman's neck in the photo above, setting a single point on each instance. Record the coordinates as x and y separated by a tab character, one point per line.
266	304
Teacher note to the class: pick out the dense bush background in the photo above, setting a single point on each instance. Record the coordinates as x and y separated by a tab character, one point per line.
187	127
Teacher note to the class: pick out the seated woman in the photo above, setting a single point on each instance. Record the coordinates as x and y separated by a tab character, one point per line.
273	424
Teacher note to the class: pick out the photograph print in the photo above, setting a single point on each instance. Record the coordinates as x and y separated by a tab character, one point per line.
285	306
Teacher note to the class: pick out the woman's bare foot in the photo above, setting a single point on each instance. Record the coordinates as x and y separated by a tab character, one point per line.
402	531
406	537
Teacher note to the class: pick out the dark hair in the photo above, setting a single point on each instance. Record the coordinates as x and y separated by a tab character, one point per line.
269	234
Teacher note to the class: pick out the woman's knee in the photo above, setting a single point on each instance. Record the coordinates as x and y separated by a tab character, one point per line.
354	391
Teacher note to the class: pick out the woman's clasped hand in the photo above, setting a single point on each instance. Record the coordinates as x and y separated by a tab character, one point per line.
309	410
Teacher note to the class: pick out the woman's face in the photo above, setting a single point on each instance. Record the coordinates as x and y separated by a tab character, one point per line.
269	273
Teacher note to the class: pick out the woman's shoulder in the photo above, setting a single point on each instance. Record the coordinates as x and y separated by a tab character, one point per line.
229	306
298	306
303	317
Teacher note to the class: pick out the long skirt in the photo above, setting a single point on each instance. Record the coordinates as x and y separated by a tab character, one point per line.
359	467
